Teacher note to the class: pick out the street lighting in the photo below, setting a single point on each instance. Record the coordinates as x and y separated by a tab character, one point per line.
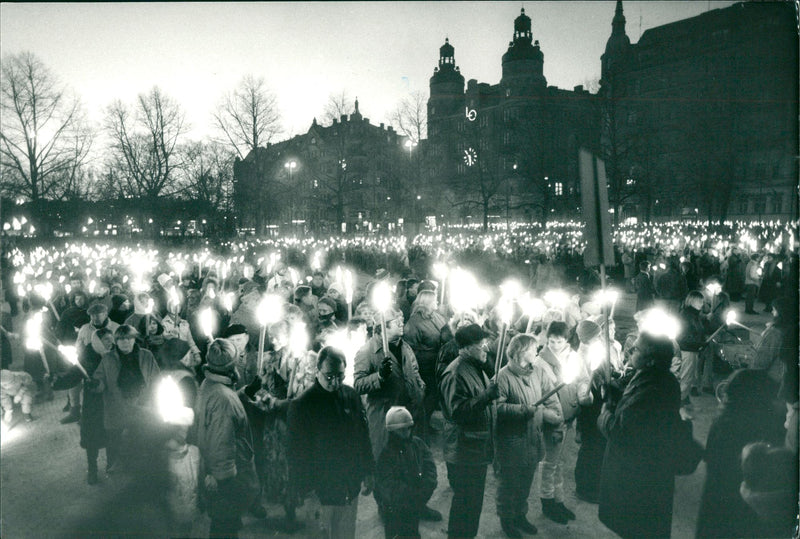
290	166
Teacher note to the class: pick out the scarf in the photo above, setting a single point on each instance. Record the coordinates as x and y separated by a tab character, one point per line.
130	380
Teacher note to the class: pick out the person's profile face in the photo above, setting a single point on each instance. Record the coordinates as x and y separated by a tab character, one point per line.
331	375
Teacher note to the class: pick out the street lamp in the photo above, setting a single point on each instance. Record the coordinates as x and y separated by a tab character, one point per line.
290	166
409	144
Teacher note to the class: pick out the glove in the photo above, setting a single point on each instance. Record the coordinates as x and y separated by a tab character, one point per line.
386	368
532	409
492	391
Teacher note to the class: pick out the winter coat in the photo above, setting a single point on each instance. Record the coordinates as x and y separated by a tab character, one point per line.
723	513
405	476
734	280
423	335
329	448
403	388
118	411
693	330
769	352
518	436
226	444
638	477
92	422
751	276
467	412
671	285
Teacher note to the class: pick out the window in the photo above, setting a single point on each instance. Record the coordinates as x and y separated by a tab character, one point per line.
777	203
630	182
760	204
743	205
558	189
632	117
507	137
484	120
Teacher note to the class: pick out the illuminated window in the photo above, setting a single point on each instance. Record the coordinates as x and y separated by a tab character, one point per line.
558	189
630	181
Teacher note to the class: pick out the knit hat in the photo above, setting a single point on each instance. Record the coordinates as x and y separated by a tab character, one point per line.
587	330
221	356
397	418
469	335
163	279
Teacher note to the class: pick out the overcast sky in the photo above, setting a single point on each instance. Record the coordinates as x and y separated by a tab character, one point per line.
378	51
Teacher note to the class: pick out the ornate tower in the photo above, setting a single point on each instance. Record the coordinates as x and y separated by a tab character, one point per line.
616	46
446	86
523	62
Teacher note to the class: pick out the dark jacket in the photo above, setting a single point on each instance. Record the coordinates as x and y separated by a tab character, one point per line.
118	410
693	330
723	513
645	291
329	449
405	476
671	285
638	477
467	413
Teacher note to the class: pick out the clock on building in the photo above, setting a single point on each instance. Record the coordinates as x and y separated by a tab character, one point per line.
471	114
470	156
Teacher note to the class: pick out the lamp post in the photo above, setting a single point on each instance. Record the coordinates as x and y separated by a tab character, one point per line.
290	166
410	144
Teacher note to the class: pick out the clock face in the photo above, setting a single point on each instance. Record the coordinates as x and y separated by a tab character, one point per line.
470	156
471	114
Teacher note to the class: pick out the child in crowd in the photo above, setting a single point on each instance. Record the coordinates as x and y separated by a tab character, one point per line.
405	477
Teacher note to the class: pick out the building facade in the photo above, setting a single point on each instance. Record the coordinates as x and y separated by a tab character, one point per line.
700	117
346	176
507	150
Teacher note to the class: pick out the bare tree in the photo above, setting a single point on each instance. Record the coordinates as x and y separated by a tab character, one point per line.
410	118
44	140
338	105
144	142
248	116
207	168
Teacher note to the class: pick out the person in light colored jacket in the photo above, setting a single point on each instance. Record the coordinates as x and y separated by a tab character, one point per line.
518	435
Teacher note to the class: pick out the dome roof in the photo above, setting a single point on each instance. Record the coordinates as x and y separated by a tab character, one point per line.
522	23
446	49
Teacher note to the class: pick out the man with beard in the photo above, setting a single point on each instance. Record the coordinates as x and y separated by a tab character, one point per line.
388	377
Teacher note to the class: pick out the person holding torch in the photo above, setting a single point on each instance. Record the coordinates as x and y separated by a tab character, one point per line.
518	449
467	397
386	370
560	365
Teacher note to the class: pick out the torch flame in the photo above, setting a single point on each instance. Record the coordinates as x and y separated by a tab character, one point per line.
70	353
207	322
382	297
33	332
270	310
730	317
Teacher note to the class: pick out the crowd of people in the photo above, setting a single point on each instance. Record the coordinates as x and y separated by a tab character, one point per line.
295	383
